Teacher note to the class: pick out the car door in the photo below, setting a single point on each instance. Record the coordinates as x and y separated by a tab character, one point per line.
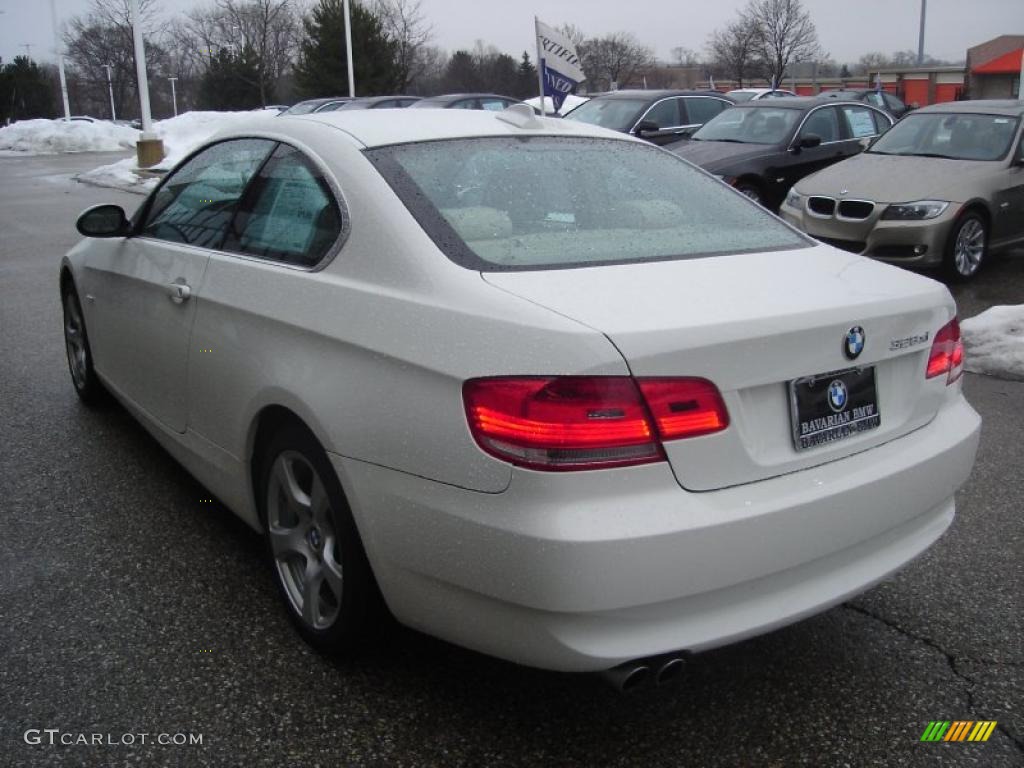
799	162
1008	200
144	292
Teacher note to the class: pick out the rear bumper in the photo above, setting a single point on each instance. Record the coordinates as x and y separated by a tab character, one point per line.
583	571
894	242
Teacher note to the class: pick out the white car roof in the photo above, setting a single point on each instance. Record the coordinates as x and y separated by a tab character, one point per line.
377	128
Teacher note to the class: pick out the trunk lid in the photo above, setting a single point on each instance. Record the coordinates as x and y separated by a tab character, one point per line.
752	323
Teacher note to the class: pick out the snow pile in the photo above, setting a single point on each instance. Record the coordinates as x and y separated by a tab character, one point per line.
180	135
44	137
994	342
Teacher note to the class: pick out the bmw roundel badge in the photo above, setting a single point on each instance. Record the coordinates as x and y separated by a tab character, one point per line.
853	344
837	396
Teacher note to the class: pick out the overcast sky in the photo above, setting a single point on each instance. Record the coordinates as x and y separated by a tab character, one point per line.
846	29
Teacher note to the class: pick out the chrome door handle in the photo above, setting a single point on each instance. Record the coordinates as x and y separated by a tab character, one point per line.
179	292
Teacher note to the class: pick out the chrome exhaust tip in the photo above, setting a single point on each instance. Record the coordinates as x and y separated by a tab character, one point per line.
627	677
658	670
669	672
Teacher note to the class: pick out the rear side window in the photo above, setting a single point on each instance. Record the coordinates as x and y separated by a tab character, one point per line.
701	109
499	204
860	121
196	203
289	213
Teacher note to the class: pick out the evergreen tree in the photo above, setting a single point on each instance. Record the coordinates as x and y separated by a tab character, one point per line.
25	91
322	69
231	82
462	75
527	85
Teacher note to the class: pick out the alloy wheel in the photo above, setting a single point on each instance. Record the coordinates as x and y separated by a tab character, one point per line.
969	247
304	540
74	340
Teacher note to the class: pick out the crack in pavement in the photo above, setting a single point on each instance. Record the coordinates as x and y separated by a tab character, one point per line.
951	661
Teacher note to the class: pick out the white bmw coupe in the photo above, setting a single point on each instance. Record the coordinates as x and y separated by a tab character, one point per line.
540	389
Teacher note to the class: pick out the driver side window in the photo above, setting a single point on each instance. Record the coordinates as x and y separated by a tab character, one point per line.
664	113
822	123
196	203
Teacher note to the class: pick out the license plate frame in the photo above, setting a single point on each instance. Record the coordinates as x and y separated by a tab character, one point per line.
814	418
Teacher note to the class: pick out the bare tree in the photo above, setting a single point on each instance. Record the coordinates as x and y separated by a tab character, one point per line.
404	22
103	37
785	33
613	60
684	57
265	32
733	50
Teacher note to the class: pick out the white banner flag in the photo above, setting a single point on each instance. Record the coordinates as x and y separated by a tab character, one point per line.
559	53
558	66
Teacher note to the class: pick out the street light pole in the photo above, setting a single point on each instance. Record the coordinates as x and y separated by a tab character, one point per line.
920	36
149	149
110	89
174	95
348	50
59	49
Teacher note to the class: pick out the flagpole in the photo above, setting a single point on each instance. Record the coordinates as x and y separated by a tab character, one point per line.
540	67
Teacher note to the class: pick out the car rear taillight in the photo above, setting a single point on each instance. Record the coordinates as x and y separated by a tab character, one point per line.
684	407
588	422
947	354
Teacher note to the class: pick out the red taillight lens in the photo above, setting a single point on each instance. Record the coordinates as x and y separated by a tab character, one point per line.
587	422
947	354
684	407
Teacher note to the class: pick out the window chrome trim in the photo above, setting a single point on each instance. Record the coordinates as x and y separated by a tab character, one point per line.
686	125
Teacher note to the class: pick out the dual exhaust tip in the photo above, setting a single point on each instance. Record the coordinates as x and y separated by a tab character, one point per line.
656	670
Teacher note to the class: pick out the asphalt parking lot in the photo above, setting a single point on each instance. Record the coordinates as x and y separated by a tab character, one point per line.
130	605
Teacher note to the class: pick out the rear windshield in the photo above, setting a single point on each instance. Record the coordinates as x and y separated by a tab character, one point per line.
960	136
497	204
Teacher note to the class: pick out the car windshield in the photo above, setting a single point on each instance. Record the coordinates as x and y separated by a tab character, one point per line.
962	136
753	125
498	204
738	96
617	114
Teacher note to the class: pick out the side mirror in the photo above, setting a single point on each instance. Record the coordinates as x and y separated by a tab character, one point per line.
103	221
646	128
809	141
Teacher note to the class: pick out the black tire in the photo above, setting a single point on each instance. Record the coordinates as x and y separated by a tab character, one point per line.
751	190
326	542
87	385
967	247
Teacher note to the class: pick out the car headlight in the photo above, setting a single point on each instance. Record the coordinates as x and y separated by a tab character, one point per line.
794	199
919	211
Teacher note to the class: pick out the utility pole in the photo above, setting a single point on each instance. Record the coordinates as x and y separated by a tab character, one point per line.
174	95
348	50
60	60
28	49
920	36
110	90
